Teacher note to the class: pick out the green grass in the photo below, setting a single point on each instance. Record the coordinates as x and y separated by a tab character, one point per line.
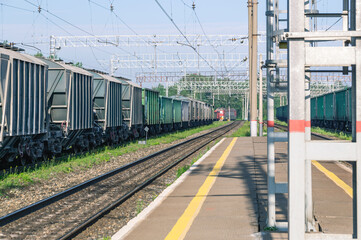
282	123
326	132
243	131
332	133
105	238
140	206
270	229
18	180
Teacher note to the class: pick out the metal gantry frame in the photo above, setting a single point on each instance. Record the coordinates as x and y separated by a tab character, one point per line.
176	60
305	53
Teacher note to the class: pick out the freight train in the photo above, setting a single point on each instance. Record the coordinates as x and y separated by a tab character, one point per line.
332	110
223	114
49	107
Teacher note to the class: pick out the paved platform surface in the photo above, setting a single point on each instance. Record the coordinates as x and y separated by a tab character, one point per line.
236	204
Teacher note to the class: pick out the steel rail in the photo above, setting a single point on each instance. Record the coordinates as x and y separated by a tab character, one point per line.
313	134
52	199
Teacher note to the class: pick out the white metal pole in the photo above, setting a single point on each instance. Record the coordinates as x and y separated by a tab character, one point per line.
310	223
296	122
271	185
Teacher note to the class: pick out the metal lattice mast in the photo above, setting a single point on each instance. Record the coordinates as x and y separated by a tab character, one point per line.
301	56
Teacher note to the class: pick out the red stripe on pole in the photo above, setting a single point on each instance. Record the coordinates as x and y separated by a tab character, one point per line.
270	124
296	125
308	124
358	126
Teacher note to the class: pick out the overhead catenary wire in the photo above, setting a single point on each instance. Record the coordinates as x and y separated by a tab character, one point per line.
209	41
85	31
150	42
184	36
72	35
15	7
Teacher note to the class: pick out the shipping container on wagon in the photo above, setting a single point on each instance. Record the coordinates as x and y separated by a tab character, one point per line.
23	102
107	100
151	107
177	111
132	104
166	110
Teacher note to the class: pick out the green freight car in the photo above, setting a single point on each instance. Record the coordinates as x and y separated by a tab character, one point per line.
150	100
332	110
177	114
166	113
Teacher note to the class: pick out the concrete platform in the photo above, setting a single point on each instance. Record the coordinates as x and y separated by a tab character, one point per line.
235	207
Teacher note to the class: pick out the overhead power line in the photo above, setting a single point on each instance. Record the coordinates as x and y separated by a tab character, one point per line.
73	25
185	37
15	7
210	43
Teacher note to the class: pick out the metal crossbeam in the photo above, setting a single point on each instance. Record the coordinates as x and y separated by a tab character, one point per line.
180	60
237	82
149	40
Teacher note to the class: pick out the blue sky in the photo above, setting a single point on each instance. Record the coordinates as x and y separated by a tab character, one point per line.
143	16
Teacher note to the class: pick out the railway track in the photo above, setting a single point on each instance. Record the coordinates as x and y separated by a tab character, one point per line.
66	214
315	135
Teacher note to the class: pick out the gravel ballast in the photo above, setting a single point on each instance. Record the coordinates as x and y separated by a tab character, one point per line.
18	198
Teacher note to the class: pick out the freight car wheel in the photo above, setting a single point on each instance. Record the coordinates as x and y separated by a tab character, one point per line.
22	161
76	150
45	157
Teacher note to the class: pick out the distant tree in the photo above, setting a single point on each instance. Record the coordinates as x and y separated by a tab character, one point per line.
39	54
78	64
54	57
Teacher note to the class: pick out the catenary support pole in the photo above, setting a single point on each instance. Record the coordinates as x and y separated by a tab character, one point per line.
254	74
260	100
250	51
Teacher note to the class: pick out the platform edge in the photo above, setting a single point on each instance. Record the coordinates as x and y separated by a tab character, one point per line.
124	231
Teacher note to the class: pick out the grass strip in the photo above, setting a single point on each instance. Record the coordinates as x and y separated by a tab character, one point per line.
243	131
327	132
47	170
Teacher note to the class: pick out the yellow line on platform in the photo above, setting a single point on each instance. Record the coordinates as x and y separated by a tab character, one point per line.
334	178
183	224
